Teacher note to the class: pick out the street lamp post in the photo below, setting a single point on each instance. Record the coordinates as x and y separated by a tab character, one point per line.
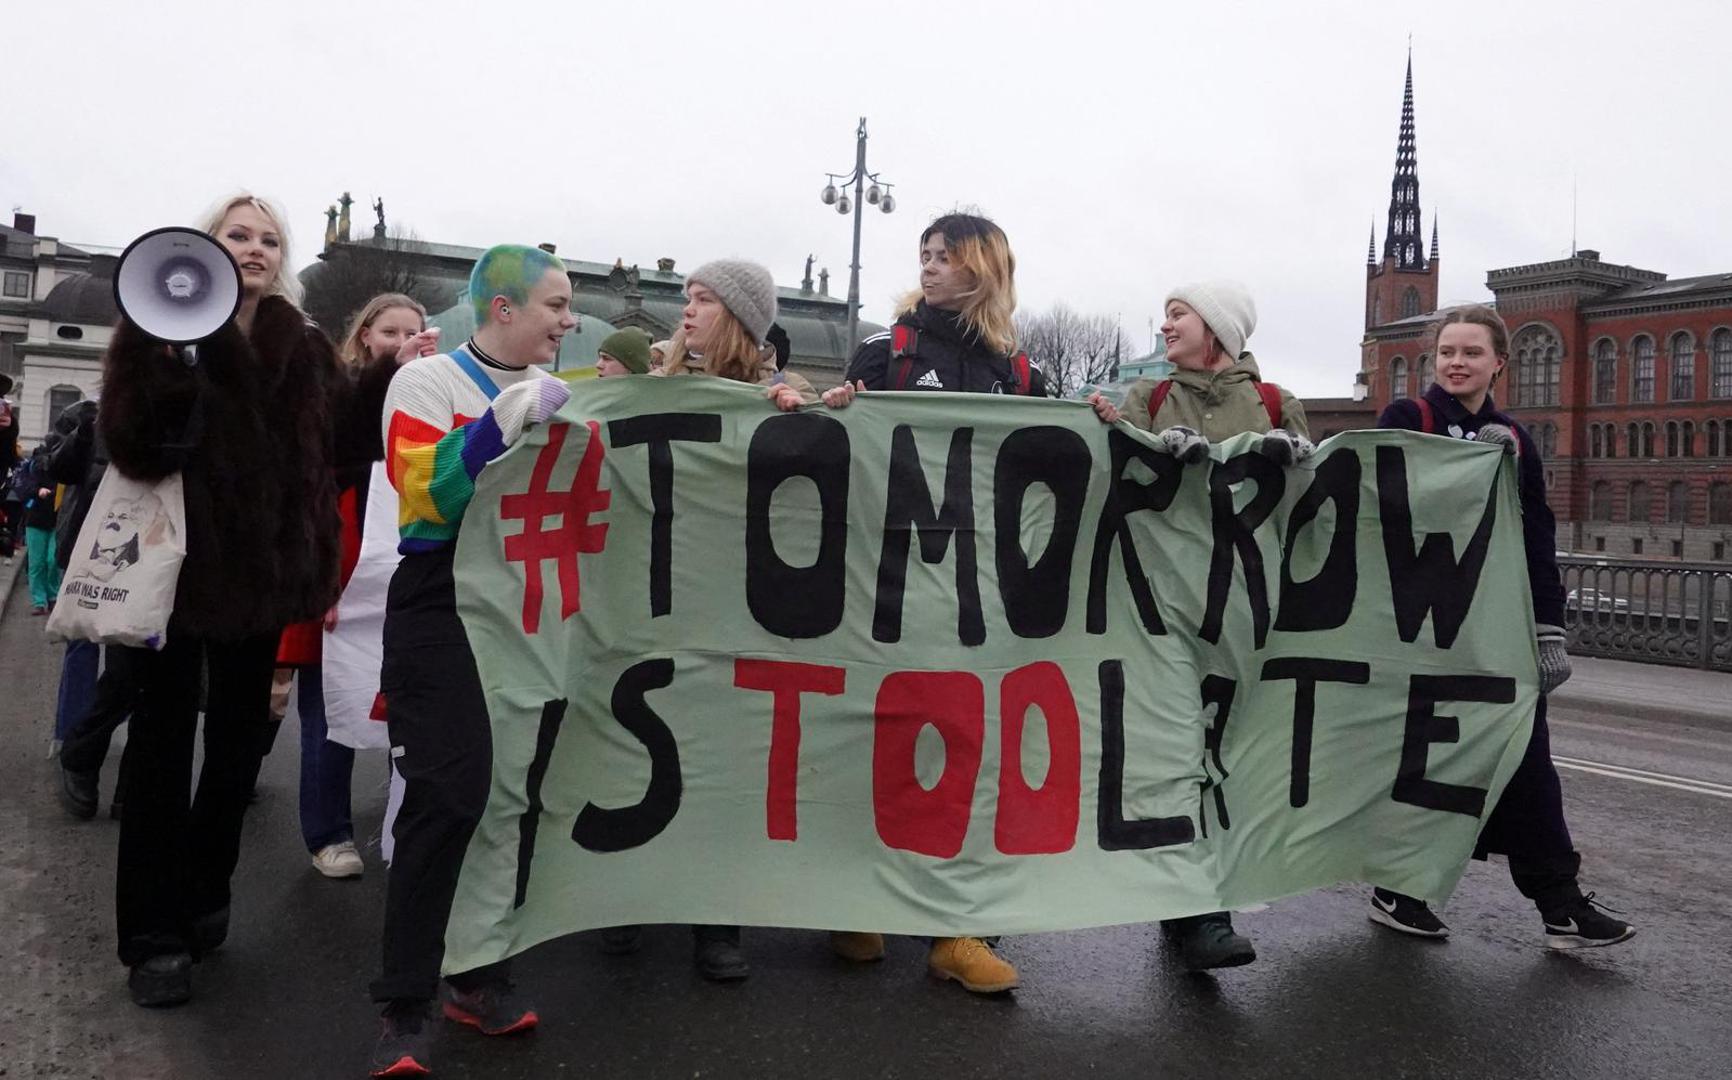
877	195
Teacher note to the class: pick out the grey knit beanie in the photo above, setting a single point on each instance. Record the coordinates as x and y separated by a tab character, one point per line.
1225	308
745	289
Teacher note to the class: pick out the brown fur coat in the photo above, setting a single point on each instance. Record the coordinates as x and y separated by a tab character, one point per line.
257	430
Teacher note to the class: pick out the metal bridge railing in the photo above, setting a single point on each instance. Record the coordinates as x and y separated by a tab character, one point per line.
1657	612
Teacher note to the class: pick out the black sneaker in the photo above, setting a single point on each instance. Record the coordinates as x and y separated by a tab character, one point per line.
717	952
1584	925
1207	942
164	979
405	1039
493	1008
621	940
1405	914
78	793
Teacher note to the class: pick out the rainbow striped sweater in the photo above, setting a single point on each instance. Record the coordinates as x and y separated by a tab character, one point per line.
439	432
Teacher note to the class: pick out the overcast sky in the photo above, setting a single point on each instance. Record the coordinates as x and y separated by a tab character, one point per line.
1124	147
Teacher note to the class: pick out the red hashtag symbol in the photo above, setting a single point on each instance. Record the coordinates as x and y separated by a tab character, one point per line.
574	533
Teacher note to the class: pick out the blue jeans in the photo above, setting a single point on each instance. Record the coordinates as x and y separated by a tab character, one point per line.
326	768
77	685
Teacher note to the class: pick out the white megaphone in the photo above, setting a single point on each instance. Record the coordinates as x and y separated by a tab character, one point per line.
179	286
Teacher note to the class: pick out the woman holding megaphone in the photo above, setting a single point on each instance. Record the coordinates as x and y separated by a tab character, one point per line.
250	429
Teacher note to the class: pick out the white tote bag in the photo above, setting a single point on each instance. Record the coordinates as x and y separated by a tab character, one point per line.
353	652
119	586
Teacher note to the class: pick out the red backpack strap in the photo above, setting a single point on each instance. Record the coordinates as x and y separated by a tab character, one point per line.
1024	380
1158	397
1427	418
1271	395
904	344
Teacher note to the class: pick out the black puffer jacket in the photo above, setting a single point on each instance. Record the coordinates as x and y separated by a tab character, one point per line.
949	357
78	462
257	459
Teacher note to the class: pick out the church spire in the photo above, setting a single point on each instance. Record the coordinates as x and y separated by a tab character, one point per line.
1371	245
1434	234
1403	239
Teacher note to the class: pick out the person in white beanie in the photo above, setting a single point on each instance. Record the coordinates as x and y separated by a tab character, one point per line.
1217	390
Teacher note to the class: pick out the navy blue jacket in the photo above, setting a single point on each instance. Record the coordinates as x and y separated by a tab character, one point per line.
1539	527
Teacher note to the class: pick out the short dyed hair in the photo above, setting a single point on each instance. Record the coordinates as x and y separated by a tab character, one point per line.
508	270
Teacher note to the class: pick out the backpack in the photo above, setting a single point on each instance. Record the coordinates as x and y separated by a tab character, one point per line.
1269	392
905	344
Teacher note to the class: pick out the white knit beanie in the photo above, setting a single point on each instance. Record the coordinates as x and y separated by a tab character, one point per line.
746	289
1226	309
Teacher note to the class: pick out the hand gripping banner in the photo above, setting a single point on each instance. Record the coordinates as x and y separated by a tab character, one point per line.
948	664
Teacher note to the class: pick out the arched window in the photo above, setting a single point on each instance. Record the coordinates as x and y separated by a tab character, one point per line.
1605	371
1600	501
1642	369
1641	503
1427	372
1671	438
1398	379
1720	503
1611	440
1548	440
1687	438
1648	439
1677	502
1538	366
1720	352
1410	302
1594	444
1712	430
1683	367
1634	436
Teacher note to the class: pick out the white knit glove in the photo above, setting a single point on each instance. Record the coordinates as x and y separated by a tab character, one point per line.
1184	444
1554	661
1500	435
1285	448
523	405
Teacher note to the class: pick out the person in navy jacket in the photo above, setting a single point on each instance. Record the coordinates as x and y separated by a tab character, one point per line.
1471	346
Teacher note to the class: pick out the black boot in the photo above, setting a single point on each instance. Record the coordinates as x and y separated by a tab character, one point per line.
718	954
1207	941
164	979
210	930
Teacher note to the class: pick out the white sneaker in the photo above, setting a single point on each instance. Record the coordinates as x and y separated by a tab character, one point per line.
339	860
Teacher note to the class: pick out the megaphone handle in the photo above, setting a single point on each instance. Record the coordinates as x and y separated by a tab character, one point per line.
188	354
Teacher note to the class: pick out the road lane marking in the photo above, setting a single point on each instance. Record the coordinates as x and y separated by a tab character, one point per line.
1644	776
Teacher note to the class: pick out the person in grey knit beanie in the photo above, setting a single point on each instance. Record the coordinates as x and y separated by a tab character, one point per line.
744	288
1226	309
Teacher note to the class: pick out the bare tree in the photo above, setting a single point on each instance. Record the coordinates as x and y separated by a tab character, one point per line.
1071	350
350	274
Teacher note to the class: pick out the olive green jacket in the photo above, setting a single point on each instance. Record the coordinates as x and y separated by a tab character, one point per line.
1217	404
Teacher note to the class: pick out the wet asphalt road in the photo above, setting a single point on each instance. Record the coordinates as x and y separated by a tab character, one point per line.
1330	996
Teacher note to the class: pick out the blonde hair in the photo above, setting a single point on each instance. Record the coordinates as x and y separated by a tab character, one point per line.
981	247
352	352
732	353
285	285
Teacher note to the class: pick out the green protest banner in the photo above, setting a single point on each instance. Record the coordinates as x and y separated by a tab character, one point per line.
942	664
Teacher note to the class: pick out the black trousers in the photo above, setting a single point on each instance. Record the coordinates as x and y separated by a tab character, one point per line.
1528	826
178	849
86	746
442	744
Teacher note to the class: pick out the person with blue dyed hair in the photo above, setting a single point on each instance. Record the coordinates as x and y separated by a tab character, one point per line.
447	416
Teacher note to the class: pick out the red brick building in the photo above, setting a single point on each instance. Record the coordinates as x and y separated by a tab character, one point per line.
1622	377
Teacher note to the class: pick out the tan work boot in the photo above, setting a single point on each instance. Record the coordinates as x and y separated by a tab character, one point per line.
861	948
971	962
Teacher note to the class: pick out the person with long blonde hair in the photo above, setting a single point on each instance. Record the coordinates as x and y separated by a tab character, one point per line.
724	331
252	429
954	332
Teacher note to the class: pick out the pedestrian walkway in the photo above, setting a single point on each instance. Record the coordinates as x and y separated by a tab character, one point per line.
1647	691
